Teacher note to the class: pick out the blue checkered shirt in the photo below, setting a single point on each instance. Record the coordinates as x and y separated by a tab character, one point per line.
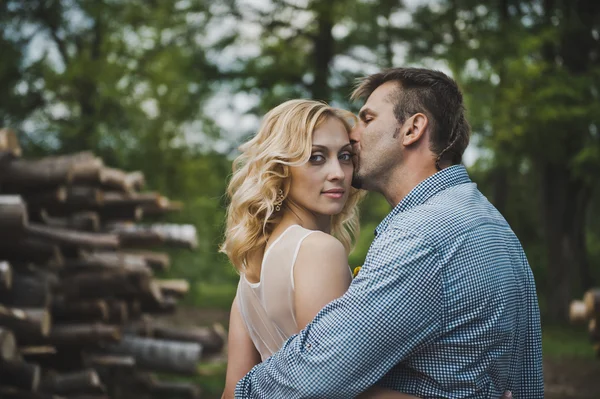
444	307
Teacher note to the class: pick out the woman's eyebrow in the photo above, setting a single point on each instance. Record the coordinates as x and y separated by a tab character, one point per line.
325	148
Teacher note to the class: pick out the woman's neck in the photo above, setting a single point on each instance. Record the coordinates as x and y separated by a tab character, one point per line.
296	215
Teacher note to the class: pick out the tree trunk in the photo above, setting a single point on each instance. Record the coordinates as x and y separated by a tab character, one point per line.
323	52
564	204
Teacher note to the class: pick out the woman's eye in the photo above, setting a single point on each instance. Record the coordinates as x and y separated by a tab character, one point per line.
346	156
316	158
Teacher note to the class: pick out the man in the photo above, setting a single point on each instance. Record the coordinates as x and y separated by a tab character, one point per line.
445	303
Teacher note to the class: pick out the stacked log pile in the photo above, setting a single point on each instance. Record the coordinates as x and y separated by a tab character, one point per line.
587	311
78	294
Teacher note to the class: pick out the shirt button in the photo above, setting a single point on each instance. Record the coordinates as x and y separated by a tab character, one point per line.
308	346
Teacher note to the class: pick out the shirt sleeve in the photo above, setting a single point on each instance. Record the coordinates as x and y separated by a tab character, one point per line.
393	308
532	377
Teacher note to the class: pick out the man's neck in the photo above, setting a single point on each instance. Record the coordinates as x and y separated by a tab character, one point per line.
404	179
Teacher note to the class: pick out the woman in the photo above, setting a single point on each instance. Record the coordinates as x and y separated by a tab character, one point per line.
290	225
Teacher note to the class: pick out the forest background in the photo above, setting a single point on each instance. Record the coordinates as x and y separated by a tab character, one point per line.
171	88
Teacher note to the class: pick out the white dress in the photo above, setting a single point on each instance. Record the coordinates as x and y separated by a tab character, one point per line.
267	307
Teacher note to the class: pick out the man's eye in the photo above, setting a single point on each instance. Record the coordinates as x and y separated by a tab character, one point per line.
316	158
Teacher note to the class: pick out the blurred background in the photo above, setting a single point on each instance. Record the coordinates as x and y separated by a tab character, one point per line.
171	88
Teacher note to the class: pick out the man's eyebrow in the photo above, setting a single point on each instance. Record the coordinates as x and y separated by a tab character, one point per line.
363	113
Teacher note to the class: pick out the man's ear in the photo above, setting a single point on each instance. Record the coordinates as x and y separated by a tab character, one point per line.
414	129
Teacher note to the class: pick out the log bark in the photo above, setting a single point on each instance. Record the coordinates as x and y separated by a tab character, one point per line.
26	323
163	207
37	199
129	213
86	172
105	284
115	179
181	236
160	355
8	346
134	308
13	216
177	288
83	334
6	276
82	311
118	312
135	180
84	196
13	393
20	374
45	172
157	261
38	350
109	361
104	260
136	199
64	359
33	250
165	305
27	292
70	237
84	221
140	239
77	382
212	339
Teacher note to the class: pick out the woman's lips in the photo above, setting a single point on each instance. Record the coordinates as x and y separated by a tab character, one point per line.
334	194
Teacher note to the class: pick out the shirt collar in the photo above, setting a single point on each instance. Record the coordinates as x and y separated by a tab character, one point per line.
446	178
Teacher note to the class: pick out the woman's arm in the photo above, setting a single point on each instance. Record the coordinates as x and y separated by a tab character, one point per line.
241	353
321	274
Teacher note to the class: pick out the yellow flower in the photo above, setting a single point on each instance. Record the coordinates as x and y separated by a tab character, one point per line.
355	271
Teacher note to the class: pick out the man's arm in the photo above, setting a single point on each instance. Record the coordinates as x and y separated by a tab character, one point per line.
393	308
532	379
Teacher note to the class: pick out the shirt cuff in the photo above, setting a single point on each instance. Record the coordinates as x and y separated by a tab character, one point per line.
242	388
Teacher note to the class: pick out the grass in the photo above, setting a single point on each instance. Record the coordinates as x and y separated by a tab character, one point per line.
566	342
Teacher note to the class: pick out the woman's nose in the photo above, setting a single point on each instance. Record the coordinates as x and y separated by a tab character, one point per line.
336	172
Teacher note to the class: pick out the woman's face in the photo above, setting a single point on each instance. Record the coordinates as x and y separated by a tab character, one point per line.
322	184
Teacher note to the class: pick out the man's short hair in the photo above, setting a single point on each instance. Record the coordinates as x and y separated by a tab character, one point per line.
432	93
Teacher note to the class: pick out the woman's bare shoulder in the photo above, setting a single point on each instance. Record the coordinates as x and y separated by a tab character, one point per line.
320	249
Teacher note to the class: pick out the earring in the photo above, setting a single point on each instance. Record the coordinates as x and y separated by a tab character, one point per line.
279	200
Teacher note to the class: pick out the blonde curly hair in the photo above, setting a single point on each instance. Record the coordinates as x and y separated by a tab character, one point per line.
263	168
